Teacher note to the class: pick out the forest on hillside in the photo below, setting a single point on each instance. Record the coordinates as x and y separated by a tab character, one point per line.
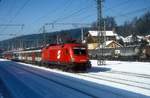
137	26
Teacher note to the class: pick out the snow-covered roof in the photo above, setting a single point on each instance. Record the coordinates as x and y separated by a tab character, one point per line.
107	43
148	36
107	33
119	37
129	38
139	37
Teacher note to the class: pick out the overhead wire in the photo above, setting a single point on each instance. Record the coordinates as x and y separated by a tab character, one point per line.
16	14
110	8
78	11
10	10
66	6
72	14
53	11
133	12
19	11
120	15
107	9
69	16
120	4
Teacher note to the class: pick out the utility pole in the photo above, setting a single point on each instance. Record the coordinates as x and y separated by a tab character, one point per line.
101	60
73	24
57	39
82	35
14	44
44	36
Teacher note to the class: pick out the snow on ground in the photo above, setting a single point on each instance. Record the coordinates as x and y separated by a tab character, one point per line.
133	67
3	60
126	66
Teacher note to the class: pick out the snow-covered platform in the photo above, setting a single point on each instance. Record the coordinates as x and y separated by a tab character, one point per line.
30	81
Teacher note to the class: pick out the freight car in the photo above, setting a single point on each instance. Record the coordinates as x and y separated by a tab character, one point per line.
65	56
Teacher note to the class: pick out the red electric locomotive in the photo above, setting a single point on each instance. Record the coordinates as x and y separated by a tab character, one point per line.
65	56
68	56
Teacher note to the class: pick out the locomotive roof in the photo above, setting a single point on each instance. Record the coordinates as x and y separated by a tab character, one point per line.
39	49
64	45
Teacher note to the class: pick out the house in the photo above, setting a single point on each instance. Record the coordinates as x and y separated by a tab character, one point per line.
92	46
109	39
147	38
93	36
107	44
112	44
132	38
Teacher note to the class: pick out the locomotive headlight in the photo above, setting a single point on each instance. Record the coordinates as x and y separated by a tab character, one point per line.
72	59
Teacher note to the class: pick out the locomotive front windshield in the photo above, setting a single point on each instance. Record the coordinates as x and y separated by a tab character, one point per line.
79	51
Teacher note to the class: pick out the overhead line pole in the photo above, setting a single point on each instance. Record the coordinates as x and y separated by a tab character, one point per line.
13	45
53	25
44	36
14	25
100	33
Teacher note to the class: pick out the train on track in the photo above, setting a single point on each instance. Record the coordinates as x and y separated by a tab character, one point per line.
70	56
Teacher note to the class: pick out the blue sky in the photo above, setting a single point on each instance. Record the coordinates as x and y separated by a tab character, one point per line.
35	13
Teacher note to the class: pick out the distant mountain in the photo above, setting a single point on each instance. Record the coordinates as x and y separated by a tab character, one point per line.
37	40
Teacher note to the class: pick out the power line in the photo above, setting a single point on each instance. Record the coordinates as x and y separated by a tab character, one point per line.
55	11
72	14
67	4
118	5
11	24
80	10
11	34
66	17
66	24
88	16
132	12
109	8
11	6
16	14
69	16
122	15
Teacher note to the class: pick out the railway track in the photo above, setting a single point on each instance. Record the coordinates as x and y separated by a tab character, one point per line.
32	71
127	82
129	74
122	79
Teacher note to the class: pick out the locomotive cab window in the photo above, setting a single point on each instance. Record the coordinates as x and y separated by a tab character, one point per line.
79	51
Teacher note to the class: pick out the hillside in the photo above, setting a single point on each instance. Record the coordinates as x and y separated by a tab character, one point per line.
36	40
